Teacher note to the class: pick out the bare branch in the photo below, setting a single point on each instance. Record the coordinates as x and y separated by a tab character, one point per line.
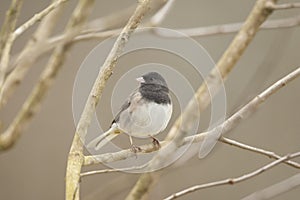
270	154
90	35
104	171
276	189
274	6
114	20
31	105
9	22
105	24
161	14
75	159
111	157
232	181
6	52
37	17
231	28
29	54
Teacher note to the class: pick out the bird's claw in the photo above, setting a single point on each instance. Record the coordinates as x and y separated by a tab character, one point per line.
135	149
156	143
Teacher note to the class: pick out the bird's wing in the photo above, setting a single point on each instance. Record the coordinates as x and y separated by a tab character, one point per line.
130	102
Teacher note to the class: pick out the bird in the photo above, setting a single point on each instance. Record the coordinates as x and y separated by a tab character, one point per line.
146	112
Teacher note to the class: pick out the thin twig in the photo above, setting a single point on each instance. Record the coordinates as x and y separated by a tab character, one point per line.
32	103
92	35
274	6
76	158
29	54
225	127
105	24
276	189
230	28
104	171
231	181
191	32
119	18
6	52
161	14
8	39
270	154
37	17
9	23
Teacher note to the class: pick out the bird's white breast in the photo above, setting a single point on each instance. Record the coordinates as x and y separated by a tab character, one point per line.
145	119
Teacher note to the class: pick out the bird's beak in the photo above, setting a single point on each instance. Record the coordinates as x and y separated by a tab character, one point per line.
140	79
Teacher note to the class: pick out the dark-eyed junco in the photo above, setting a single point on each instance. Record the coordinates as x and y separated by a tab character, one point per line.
145	113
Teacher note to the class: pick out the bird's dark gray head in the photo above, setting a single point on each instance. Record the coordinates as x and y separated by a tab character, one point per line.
153	87
152	78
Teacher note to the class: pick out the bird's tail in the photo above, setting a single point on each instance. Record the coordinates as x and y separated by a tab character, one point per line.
104	138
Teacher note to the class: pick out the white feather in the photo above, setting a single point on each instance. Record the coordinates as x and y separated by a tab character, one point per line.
146	119
104	138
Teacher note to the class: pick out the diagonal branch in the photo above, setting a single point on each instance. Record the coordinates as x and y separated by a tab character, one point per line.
29	54
276	189
31	105
4	63
270	154
231	181
9	22
75	159
288	22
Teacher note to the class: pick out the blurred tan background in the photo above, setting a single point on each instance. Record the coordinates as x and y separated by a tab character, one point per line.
35	167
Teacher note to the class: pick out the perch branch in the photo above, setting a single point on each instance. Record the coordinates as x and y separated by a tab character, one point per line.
201	100
32	103
231	181
121	155
276	189
76	157
229	124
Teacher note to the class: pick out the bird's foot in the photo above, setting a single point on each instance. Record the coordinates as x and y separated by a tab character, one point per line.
155	142
135	149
